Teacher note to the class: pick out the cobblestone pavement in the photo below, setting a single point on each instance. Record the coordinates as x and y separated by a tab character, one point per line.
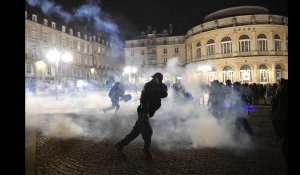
86	157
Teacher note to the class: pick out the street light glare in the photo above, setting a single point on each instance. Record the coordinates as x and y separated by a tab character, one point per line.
127	70
134	70
53	55
66	57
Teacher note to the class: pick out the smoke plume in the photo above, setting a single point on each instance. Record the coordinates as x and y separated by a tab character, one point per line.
178	123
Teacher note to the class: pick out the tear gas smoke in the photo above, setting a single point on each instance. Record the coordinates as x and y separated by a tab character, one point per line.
178	123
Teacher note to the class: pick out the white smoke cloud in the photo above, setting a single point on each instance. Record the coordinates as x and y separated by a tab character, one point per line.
178	123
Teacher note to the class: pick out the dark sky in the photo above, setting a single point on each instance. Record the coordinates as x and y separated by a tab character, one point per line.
135	15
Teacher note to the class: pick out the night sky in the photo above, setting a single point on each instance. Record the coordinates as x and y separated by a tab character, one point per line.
135	15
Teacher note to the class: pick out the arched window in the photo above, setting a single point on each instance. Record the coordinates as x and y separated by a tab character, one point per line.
277	42
246	74
263	74
198	50
244	42
212	75
262	42
278	70
210	47
226	45
227	74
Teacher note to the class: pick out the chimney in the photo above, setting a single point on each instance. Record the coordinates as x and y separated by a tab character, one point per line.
171	29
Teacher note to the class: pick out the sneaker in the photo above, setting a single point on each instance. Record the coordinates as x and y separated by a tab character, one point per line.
148	155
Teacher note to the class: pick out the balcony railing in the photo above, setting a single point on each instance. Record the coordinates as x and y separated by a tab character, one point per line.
154	44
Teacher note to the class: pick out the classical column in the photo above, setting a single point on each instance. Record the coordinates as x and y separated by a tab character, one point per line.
272	74
255	74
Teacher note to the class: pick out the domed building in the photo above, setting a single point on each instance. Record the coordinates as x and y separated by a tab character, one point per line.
246	44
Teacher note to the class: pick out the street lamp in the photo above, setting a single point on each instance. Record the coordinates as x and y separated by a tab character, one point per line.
56	56
130	70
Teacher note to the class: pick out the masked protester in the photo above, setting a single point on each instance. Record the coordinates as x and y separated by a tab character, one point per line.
150	102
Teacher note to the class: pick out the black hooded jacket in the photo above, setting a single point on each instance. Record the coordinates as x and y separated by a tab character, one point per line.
151	96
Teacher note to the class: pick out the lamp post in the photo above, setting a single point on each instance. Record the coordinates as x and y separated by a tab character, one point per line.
130	70
56	56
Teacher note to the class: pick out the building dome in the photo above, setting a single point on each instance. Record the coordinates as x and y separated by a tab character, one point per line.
235	11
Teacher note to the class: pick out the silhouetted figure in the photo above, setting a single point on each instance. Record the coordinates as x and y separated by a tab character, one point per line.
241	101
280	117
115	93
150	102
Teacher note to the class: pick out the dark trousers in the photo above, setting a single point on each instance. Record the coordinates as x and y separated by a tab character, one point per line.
142	126
242	122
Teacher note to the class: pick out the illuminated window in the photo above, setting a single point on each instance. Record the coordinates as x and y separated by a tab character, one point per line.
198	49
226	45
263	74
244	42
210	47
227	74
53	25
245	74
278	70
277	43
45	22
262	42
34	18
63	28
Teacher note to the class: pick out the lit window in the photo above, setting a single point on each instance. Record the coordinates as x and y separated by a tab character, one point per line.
63	29
45	22
277	42
226	45
245	74
244	42
198	49
34	18
53	25
263	74
227	74
210	47
262	42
